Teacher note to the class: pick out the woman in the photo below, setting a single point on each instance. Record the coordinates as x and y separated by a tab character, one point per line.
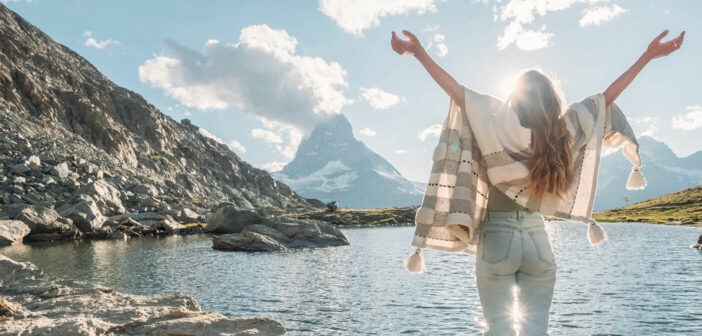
554	174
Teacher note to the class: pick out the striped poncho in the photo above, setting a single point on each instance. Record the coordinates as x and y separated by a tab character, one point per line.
486	144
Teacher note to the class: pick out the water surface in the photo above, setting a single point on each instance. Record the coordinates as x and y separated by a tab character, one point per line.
644	280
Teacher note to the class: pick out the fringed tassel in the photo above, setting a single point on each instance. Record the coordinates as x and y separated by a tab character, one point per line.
596	233
415	262
636	181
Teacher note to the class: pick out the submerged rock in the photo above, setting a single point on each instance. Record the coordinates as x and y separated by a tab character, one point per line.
12	232
36	304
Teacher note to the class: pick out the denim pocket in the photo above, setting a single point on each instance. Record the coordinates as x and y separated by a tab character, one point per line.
543	246
496	245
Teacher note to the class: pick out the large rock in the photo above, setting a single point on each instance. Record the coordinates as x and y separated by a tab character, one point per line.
84	212
276	233
246	241
42	220
145	189
268	231
307	232
169	224
36	304
12	232
188	216
229	219
153	219
61	170
34	163
106	197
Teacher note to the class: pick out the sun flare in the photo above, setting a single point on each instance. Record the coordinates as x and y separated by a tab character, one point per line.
507	85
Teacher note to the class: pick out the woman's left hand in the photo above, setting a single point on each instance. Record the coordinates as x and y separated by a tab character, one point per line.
658	48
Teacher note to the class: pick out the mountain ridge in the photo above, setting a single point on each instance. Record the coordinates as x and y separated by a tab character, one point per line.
665	172
332	165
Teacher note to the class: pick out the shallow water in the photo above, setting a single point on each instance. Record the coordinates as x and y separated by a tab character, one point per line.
644	280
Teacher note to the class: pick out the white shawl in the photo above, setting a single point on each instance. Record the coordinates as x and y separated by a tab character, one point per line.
486	144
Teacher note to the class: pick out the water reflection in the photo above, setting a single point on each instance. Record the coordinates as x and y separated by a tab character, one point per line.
644	280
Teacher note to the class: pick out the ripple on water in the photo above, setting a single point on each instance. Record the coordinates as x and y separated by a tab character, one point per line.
644	280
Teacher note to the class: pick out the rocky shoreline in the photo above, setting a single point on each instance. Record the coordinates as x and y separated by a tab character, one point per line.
32	303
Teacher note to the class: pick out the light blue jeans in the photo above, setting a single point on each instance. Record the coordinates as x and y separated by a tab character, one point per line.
515	256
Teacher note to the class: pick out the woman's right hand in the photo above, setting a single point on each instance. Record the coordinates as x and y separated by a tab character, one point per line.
403	47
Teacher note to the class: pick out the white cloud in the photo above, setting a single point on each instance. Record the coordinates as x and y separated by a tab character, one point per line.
266	136
354	16
525	39
434	130
367	132
598	15
689	121
520	13
274	166
379	99
236	145
92	42
401	151
437	42
652	125
261	74
432	28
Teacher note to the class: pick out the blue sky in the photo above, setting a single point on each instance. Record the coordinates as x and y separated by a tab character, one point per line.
259	74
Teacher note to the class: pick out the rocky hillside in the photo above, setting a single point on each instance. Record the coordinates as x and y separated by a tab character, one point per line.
332	165
64	125
682	207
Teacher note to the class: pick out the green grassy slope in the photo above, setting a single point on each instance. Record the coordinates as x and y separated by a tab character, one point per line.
682	207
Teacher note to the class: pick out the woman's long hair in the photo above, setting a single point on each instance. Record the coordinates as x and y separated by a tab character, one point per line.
540	107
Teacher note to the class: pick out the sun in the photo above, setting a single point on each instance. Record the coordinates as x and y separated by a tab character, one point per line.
507	85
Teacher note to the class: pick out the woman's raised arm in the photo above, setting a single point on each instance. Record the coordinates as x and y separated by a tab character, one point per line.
655	49
413	47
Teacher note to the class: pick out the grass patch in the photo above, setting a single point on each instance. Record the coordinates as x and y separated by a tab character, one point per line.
682	207
198	224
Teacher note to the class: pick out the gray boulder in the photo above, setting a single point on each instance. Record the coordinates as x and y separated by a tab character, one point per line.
188	216
61	170
40	219
145	189
84	212
229	219
106	197
152	219
169	224
276	233
34	163
246	241
307	233
268	231
12	232
333	206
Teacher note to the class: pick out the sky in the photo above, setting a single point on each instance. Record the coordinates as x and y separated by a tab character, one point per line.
259	75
